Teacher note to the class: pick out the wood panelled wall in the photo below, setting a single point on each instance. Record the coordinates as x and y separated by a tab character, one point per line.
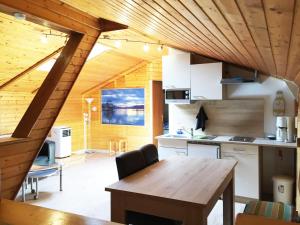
14	105
137	136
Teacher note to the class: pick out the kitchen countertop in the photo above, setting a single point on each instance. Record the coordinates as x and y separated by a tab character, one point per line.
225	139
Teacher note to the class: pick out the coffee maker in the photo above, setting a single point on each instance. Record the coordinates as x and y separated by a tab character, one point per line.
281	128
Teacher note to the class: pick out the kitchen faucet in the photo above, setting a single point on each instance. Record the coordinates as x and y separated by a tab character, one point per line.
191	132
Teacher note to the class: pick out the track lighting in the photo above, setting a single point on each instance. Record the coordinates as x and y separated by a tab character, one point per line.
146	47
118	44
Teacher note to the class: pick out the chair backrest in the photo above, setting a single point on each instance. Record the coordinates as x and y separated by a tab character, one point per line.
129	163
150	153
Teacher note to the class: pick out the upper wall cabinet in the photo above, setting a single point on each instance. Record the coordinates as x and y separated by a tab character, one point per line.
176	71
206	81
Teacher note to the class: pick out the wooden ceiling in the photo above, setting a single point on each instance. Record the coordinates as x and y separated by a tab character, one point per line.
261	34
21	47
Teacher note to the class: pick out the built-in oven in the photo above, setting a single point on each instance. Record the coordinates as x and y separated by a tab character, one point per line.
178	96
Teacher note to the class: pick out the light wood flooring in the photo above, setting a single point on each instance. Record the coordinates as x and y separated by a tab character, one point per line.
84	178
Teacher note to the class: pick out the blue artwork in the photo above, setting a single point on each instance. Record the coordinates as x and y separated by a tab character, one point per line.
123	106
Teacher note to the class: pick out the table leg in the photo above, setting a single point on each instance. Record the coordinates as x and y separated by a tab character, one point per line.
23	192
195	217
60	178
117	208
228	203
36	188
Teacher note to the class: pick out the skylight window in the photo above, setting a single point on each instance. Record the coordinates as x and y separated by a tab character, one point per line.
97	50
46	67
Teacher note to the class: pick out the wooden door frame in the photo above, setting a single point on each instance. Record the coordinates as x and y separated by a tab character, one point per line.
157	105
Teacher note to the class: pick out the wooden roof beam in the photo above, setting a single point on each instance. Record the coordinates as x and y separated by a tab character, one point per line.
23	73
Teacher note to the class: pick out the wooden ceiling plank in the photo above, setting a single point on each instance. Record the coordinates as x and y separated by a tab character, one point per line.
240	35
155	13
293	65
138	22
180	20
279	16
184	9
20	75
254	15
189	41
194	8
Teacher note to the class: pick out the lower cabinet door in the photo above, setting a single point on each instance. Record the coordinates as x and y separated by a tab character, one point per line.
246	174
164	152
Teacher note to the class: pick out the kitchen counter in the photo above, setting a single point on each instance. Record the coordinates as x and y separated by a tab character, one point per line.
225	139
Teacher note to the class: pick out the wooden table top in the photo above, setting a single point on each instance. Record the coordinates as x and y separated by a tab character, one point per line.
186	179
17	213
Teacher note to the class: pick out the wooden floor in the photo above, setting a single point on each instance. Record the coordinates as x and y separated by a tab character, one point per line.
84	179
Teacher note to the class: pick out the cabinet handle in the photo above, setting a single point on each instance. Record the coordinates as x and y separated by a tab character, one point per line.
199	97
238	150
180	153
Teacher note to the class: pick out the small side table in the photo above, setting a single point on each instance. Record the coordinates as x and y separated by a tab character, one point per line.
36	172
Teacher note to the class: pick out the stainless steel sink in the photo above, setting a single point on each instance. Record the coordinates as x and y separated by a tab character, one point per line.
175	136
205	137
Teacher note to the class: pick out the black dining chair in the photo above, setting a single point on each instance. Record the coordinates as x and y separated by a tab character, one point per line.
150	154
131	162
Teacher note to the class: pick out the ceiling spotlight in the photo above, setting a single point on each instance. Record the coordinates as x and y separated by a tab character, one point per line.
44	38
146	47
19	16
160	48
118	44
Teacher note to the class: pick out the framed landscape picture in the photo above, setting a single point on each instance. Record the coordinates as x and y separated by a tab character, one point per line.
123	106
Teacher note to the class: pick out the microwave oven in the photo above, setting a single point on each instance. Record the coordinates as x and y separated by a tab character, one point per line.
178	96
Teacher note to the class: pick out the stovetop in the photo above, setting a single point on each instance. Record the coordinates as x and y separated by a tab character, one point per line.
242	139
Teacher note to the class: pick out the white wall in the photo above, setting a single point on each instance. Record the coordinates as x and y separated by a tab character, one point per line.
266	89
185	115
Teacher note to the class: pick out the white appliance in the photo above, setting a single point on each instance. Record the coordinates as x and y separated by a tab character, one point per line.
178	96
281	128
203	150
290	121
63	143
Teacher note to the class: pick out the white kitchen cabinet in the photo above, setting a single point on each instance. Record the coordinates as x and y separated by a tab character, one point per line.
167	148
206	81
247	169
176	71
203	150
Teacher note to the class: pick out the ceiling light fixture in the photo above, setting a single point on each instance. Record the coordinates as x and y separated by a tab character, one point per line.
146	47
118	44
19	16
160	48
44	38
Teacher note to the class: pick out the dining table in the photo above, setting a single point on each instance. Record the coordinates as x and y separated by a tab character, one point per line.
180	188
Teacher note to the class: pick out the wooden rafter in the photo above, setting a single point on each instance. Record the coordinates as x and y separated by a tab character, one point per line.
34	66
37	105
